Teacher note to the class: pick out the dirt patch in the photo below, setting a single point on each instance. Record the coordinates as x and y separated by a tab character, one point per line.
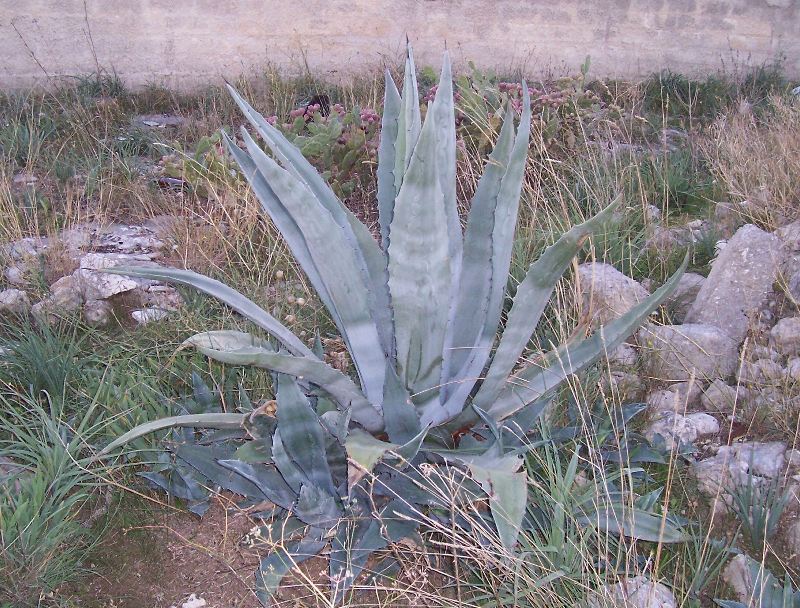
175	554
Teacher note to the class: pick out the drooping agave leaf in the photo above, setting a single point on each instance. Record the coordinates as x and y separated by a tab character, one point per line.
209	421
356	540
226	295
535	383
336	260
633	522
240	348
267	479
419	270
530	300
387	153
289	554
205	460
487	258
317	507
290	472
302	434
506	485
370	258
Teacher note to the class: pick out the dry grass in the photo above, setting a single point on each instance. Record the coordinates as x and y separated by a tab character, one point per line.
757	159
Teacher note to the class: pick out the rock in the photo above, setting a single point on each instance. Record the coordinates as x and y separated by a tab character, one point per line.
793	369
119	238
716	475
66	297
159	121
726	219
766	459
634	592
22	249
624	385
14	301
677	429
607	293
762	371
623	357
148	315
676	353
98	313
740	281
719	397
15	275
684	295
99	285
652	214
785	335
689	392
740	574
665	401
764	352
162	296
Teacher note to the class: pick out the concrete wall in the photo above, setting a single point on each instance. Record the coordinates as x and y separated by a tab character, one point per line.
186	42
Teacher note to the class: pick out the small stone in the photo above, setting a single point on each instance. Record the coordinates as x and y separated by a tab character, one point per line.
101	285
14	301
97	313
741	574
15	276
761	458
764	352
148	315
786	335
678	353
793	369
665	401
634	592
193	602
624	385
740	280
607	293
762	371
689	391
719	397
622	357
66	297
677	429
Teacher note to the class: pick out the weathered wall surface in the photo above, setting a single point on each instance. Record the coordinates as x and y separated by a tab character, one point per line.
187	42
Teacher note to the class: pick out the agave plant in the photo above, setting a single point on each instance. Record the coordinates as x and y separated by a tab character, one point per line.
419	311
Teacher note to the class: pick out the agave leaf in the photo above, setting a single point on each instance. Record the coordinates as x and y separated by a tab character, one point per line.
302	434
506	485
387	154
532	296
317	507
408	124
284	221
227	295
240	348
277	564
209	421
267	479
419	269
204	460
371	259
364	451
487	257
534	383
336	259
634	523
359	538
290	472
399	414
